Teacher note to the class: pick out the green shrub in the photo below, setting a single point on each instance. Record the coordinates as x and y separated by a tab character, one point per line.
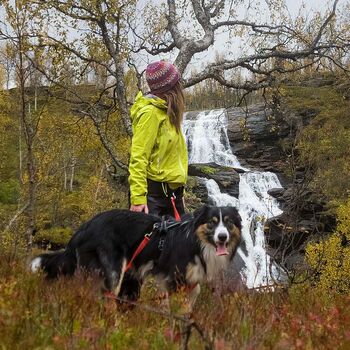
54	235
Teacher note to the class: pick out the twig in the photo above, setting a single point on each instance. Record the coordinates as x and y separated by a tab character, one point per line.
15	217
190	323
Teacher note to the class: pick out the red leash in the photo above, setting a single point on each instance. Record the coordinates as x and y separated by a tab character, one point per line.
139	250
176	213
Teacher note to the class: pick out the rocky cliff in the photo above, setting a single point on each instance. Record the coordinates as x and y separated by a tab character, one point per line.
258	136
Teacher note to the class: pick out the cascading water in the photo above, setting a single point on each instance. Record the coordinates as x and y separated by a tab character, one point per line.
208	142
207	139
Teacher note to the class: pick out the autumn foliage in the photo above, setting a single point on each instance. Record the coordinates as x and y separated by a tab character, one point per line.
70	313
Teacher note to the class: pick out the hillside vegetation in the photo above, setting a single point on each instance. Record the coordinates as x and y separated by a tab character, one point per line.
74	184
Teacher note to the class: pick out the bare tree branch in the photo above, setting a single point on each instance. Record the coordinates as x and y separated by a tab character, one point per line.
291	45
325	24
87	109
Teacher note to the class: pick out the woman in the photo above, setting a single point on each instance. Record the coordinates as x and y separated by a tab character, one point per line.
158	160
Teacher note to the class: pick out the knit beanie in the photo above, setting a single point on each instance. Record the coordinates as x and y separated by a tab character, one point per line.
161	76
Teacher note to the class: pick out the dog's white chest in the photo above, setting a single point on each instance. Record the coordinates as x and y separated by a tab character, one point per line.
215	264
197	273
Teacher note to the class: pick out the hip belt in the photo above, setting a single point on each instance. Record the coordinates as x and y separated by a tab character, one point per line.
162	189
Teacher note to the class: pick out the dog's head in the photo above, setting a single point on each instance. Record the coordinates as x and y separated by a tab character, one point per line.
219	227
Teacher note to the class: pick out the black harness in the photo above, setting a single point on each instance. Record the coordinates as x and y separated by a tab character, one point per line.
163	227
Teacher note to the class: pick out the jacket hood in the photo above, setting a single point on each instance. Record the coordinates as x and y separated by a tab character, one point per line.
142	101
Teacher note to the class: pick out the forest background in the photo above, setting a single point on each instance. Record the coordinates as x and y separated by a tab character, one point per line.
70	71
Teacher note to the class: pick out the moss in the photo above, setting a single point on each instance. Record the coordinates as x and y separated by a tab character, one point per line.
191	182
192	202
206	169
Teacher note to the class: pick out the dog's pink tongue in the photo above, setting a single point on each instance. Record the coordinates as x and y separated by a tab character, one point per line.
221	250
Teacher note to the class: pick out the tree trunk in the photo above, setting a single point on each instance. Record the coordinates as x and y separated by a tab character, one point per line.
31	194
65	174
73	164
28	129
99	182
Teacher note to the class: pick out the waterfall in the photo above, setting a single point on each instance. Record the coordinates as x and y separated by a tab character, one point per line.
207	139
208	142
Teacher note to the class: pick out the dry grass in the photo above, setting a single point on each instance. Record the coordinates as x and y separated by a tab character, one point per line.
71	314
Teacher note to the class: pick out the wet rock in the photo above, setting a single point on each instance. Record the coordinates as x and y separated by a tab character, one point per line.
258	137
277	192
281	233
254	124
288	234
254	136
226	178
197	185
290	263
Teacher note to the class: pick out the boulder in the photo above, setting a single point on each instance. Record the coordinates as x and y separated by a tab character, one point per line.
277	193
288	234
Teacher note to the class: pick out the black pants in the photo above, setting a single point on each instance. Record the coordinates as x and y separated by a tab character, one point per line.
159	199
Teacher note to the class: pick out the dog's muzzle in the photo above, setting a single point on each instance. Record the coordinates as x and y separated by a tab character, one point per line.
221	239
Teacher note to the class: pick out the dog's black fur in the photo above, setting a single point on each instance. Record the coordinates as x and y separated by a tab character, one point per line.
188	255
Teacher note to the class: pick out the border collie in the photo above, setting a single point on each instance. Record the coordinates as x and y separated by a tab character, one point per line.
179	254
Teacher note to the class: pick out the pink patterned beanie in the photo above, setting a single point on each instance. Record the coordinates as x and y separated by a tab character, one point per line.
161	76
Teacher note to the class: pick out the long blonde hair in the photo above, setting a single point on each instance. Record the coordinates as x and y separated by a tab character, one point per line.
175	101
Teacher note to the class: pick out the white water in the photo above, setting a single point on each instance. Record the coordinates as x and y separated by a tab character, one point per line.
207	139
208	142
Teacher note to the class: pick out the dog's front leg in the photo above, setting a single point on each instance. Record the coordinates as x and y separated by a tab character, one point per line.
164	300
193	297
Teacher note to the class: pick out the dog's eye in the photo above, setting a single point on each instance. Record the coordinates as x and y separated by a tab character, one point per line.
228	221
212	223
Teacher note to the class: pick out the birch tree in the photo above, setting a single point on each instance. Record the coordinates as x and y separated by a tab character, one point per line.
91	38
103	38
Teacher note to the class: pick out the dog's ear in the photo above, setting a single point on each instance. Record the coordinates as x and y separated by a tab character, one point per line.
200	216
236	217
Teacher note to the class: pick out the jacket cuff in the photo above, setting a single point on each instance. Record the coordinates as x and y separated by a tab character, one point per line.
137	200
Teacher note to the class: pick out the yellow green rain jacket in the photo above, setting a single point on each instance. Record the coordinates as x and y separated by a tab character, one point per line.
158	152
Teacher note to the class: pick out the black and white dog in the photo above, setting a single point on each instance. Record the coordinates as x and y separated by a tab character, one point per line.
184	253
